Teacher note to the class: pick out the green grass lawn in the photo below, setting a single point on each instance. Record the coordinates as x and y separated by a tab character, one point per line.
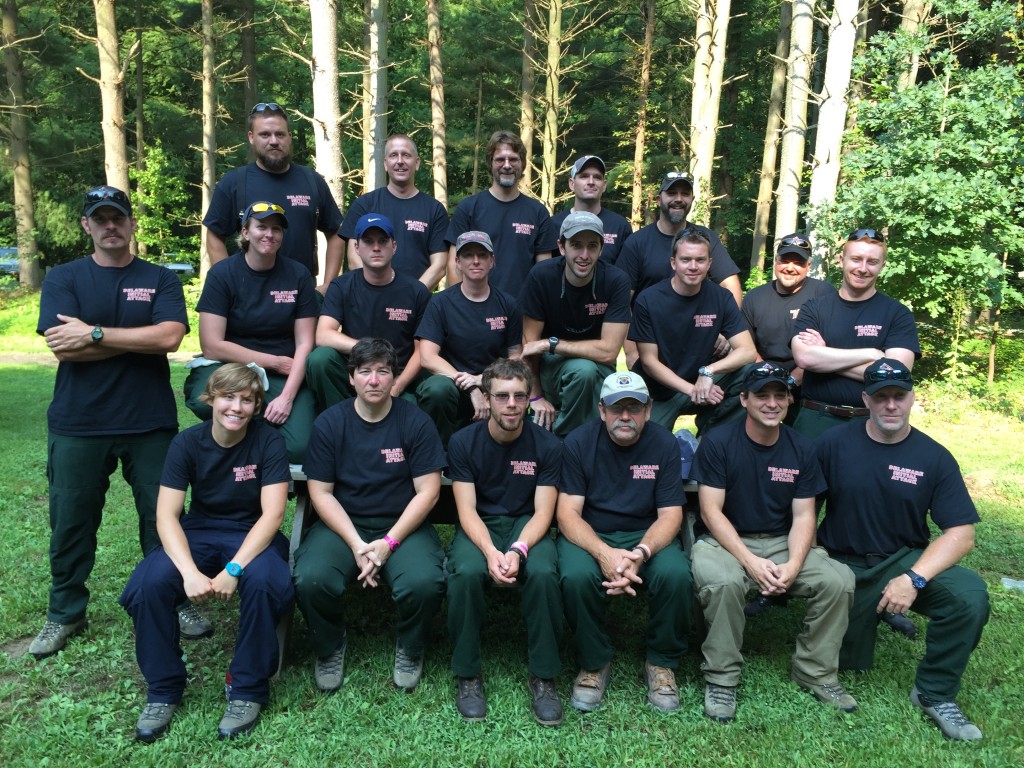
79	707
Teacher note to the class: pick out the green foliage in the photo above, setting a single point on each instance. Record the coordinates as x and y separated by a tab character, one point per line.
162	207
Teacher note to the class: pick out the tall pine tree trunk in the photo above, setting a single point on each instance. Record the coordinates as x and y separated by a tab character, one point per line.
552	99
438	127
709	65
915	16
111	81
209	127
247	40
375	97
528	82
644	90
326	100
794	131
140	124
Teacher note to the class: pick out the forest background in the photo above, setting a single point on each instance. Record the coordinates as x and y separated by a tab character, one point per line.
905	116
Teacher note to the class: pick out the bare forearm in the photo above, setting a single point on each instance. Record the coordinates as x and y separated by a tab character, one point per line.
664	529
945	551
415	513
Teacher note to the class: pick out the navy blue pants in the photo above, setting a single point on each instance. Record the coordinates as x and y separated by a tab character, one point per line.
265	592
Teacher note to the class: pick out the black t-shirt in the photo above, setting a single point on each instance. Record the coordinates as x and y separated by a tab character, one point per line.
880	322
420	226
472	334
771	314
685	328
303	193
571	312
391	311
260	307
226	482
519	230
373	465
646	255
129	393
616	231
505	476
624	487
760	481
879	495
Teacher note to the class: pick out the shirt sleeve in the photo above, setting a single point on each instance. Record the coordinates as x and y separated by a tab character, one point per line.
668	491
461	221
169	302
58	297
431	326
216	296
438	230
355	212
618	297
708	467
177	472
573	480
221	217
330	215
319	461
641	329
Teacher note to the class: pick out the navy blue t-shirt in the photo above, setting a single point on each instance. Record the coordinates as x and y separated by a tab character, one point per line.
373	465
420	226
128	393
226	482
304	195
646	255
771	314
391	311
616	231
571	312
519	230
879	495
506	476
624	487
472	334
685	328
879	322
760	481
261	307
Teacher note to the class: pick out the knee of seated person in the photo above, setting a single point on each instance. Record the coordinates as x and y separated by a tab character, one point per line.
321	357
974	601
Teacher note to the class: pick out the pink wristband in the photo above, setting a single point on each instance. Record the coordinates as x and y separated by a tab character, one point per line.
521	546
392	544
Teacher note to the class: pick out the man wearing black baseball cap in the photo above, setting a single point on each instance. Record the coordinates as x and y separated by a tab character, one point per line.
587	184
110	319
885	479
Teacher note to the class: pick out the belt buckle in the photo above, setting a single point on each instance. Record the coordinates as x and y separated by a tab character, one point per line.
842	411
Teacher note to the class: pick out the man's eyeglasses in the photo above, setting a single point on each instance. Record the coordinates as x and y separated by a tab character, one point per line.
266	106
888	374
867	234
798	241
632	407
503	397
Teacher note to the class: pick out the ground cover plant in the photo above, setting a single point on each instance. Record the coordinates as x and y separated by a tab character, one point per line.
79	707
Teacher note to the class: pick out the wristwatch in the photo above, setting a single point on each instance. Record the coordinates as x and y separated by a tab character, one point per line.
705	370
234	569
552	343
919	582
97	335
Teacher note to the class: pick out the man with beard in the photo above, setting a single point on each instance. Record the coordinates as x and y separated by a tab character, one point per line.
518	225
421	221
587	184
575	318
303	193
646	254
504	475
620	507
884	479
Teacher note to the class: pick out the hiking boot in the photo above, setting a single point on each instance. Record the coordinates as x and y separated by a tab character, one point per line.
240	717
720	702
900	624
54	636
662	691
588	688
948	716
408	669
329	671
830	693
192	624
154	721
547	707
470	699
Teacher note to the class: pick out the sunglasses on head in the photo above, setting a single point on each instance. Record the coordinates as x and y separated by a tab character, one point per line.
772	371
677	176
266	106
693	232
867	234
888	374
798	241
99	194
263	207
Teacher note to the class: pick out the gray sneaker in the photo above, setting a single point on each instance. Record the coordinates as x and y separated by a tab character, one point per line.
192	624
948	716
54	636
240	717
720	702
329	671
408	669
588	688
830	693
154	721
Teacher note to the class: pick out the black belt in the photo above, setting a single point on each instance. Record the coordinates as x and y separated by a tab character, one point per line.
870	560
842	411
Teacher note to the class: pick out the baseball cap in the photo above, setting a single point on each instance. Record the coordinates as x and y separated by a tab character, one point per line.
673	177
624	384
580	221
583	162
474	236
101	196
763	374
797	243
887	372
261	210
374	221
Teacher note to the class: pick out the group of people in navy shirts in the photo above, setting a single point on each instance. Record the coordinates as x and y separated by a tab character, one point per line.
507	382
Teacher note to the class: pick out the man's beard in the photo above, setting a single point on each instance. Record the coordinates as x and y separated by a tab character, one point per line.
275	164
